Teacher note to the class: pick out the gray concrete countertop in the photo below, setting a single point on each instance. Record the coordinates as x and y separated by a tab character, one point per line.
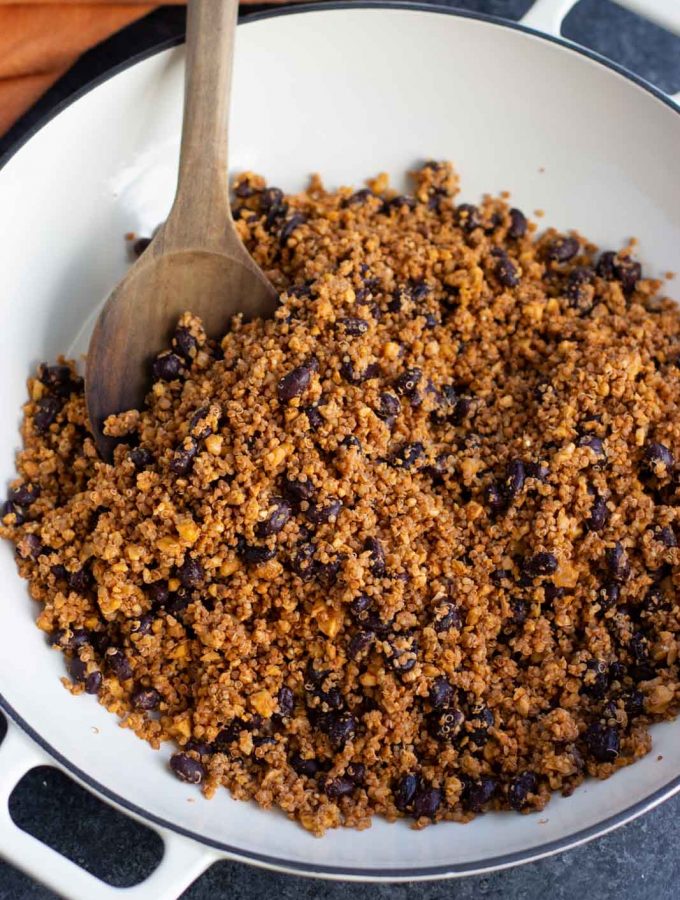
639	861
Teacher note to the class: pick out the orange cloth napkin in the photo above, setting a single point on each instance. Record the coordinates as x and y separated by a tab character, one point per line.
40	41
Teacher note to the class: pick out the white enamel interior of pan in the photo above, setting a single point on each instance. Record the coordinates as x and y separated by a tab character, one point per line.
347	94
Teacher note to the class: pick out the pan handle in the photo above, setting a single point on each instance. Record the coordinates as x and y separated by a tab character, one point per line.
548	16
182	863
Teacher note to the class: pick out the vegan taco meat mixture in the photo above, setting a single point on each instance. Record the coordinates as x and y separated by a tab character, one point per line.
409	548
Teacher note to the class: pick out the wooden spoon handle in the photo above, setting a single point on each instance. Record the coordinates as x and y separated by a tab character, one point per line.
201	214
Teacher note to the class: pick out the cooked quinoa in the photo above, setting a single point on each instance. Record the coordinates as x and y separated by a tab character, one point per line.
408	548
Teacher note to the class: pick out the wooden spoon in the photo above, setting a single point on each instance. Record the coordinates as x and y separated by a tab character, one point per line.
196	261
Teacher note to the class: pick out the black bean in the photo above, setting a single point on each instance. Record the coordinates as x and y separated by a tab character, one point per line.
340	727
357	772
397	300
146	699
402	652
658	459
143	626
464	406
468	217
184	343
519	789
295	383
199	426
499	576
442	693
342	786
48	410
520	611
656	600
359	643
18	512
447	725
495	497
431	321
477	724
118	664
140	458
539	564
354	326
350	441
302	562
623	269
598	513
30	547
158	594
666	536
628	272
506	272
77	669
479	793
80	581
200	747
518	224
99	641
93	683
191	573
593	443
178	602
617	562
407	455
551	592
426	802
607	595
446	617
286	701
59	380
187	769
634	704
404	791
358	376
596	679
302	766
602	742
183	457
576	289
419	289
406	384
140	245
24	495
289	227
539	471
298	491
514	479
314	417
389	407
278	514
562	249
230	734
327	572
377	556
359	607
271	198
358	198
321	515
606	265
167	366
254	554
330	699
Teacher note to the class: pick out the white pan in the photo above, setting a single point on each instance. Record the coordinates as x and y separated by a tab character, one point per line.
346	90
